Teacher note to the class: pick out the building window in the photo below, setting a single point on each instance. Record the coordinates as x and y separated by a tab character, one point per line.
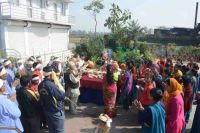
43	3
63	9
47	3
29	8
29	3
14	2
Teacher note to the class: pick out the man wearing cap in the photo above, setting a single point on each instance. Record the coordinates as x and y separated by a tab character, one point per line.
34	82
39	59
9	90
57	64
29	67
32	58
10	74
51	60
38	70
29	106
9	112
51	97
21	70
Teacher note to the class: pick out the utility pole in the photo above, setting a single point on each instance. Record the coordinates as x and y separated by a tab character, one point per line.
196	14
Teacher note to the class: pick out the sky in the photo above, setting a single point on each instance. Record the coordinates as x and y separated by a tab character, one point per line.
149	13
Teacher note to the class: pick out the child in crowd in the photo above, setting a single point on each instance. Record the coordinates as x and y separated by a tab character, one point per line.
145	98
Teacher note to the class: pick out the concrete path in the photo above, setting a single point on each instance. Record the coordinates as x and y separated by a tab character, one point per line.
87	120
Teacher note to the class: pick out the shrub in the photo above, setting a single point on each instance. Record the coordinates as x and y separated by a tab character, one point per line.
91	47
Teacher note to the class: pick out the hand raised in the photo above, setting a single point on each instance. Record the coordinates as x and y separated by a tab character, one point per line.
14	83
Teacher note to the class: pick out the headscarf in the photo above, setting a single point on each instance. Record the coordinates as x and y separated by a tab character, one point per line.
123	66
115	66
176	89
179	74
3	71
74	60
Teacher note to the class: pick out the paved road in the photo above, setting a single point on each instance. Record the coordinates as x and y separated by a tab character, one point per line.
87	120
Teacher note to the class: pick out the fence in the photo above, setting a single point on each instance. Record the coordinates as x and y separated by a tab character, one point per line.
4	53
63	55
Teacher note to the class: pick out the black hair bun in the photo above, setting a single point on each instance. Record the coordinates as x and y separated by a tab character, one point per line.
157	94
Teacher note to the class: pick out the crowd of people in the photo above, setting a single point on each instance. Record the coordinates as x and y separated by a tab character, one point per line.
185	57
33	94
163	92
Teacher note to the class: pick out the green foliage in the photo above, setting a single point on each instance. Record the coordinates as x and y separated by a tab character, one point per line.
118	19
120	56
95	6
122	39
2	53
124	30
98	60
139	51
91	47
189	50
136	56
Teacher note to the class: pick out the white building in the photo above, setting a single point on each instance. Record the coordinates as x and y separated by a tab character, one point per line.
35	27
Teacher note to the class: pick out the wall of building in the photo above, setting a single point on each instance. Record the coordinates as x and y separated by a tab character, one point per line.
2	38
38	39
35	38
58	43
16	38
32	38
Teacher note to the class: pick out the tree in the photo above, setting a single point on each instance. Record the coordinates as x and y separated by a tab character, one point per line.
94	8
118	19
123	28
134	31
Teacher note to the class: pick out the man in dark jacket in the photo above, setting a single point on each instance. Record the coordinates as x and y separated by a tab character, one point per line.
29	106
72	84
51	97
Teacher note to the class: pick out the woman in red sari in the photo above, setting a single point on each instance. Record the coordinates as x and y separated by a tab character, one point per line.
110	92
188	97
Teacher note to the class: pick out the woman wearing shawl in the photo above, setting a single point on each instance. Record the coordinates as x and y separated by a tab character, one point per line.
154	114
173	99
110	92
126	91
122	80
134	76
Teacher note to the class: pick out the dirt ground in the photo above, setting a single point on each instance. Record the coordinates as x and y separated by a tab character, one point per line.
87	120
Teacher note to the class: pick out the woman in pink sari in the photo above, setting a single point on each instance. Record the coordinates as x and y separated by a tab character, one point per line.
110	92
173	100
